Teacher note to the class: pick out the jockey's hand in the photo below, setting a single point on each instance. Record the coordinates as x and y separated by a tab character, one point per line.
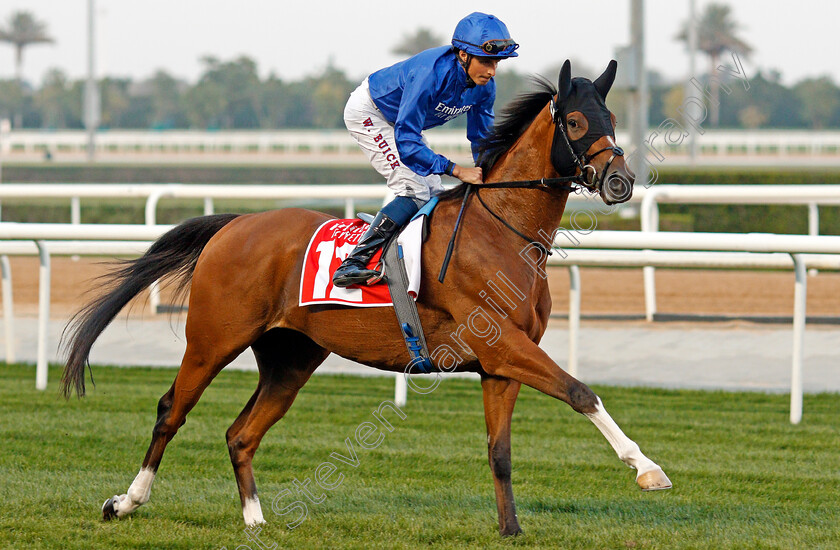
468	175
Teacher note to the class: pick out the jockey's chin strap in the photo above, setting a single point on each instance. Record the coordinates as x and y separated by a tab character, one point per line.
465	64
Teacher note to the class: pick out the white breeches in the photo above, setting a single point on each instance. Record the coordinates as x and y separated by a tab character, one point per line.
375	135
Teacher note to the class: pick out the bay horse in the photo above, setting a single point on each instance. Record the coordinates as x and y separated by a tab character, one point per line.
243	274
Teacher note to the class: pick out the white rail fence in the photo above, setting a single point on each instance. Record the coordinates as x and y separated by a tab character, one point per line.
154	193
67	239
769	246
45	249
749	252
654	248
778	143
811	196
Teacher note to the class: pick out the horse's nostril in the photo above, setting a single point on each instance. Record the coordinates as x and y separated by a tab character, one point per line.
590	175
618	188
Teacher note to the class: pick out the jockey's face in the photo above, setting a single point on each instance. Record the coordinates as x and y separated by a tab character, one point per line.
480	69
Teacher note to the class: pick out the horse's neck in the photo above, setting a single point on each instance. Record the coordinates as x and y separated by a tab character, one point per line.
529	210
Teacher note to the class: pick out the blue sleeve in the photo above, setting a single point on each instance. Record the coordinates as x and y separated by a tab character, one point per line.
408	128
480	120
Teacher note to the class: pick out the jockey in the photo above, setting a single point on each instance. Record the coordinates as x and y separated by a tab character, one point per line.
389	111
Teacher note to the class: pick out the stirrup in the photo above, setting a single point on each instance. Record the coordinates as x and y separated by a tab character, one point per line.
352	279
376	279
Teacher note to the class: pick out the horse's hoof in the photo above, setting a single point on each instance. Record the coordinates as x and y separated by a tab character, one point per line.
108	511
655	480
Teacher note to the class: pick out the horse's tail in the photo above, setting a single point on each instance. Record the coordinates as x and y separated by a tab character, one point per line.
173	255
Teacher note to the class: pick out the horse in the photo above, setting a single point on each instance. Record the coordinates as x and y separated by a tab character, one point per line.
243	273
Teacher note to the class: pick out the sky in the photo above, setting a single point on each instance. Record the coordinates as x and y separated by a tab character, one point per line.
295	39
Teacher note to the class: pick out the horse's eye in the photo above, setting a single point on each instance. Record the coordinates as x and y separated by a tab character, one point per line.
572	124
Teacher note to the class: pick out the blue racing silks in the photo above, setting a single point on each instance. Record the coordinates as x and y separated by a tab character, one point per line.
427	90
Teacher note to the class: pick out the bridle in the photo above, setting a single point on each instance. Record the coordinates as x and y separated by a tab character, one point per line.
583	161
576	183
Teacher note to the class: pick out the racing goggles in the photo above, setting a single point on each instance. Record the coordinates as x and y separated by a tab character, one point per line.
497	46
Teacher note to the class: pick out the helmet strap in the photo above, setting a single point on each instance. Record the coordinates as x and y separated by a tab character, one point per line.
465	64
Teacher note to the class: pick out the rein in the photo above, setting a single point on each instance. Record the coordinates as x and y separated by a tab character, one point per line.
552	184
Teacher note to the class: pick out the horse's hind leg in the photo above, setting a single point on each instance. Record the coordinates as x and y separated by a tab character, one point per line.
286	360
204	358
499	398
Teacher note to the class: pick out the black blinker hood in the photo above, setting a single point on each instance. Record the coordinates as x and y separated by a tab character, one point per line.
585	97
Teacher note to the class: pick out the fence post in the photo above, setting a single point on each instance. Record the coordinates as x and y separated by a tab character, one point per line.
75	210
8	310
41	369
813	226
151	219
650	222
799	297
400	390
574	318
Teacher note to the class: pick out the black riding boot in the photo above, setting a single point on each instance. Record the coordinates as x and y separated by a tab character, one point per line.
353	270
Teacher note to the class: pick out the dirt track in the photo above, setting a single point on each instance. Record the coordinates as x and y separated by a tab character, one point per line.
605	291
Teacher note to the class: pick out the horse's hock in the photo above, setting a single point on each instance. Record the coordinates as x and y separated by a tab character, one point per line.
606	291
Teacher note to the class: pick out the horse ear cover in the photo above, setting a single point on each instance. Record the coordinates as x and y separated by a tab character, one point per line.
564	85
605	81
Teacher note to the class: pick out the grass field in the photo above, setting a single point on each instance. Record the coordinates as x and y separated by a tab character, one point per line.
743	476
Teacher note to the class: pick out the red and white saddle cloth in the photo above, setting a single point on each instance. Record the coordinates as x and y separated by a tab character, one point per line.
332	243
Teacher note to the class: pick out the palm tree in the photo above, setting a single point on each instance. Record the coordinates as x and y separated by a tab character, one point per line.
716	34
23	30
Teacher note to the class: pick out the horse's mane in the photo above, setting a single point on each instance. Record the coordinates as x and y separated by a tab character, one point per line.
515	118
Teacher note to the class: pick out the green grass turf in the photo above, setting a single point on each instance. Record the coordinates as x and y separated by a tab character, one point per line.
743	476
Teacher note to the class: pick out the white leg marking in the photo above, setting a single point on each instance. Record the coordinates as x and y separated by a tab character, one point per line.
627	449
252	512
138	494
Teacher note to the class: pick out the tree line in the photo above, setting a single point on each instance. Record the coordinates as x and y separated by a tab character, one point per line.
230	94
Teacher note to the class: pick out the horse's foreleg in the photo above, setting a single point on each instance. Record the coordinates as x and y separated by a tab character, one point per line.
517	357
286	361
649	475
499	398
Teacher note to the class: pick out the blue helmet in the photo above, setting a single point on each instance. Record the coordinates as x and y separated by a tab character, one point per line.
484	35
